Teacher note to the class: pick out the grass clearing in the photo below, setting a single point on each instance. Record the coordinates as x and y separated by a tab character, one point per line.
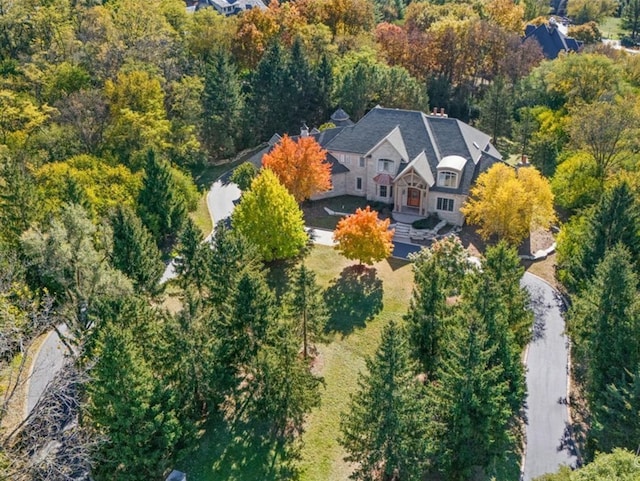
611	27
201	215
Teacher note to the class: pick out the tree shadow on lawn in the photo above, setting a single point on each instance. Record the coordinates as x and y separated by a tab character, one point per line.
244	451
353	299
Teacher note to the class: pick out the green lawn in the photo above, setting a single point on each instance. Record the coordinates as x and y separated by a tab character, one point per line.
361	303
610	27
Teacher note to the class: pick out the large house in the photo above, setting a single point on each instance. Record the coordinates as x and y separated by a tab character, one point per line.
421	164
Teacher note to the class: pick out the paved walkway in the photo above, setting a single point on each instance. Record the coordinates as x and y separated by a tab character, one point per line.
548	445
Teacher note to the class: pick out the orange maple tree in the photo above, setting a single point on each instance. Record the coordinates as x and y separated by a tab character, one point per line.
364	237
300	166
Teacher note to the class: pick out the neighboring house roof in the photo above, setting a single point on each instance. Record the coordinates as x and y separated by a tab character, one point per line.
427	140
551	39
232	7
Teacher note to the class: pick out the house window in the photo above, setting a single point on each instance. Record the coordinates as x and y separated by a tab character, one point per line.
383	191
385	165
447	179
358	183
362	161
445	204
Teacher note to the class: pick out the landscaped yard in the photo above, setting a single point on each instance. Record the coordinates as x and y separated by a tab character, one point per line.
315	214
361	303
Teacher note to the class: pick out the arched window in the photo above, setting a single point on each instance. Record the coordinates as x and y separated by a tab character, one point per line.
446	178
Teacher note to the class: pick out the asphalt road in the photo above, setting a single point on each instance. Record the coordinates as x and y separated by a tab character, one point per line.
46	365
548	444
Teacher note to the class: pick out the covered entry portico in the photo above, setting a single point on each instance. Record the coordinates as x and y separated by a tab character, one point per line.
412	190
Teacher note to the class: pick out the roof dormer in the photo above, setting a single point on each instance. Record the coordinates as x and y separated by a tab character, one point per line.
450	171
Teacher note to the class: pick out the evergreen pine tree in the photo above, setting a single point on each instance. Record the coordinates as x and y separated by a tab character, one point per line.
323	92
631	17
231	255
133	409
283	389
615	219
222	107
301	81
604	324
306	306
267	107
471	403
385	429
437	272
193	257
160	207
616	421
134	250
496	111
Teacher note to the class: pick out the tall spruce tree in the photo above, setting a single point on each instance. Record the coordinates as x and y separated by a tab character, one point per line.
160	207
134	251
385	429
323	91
437	272
604	323
193	257
470	400
301	92
267	109
133	408
306	307
615	219
283	388
496	111
616	421
231	255
222	107
631	17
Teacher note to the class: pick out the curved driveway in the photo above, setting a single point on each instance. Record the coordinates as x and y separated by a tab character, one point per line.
548	436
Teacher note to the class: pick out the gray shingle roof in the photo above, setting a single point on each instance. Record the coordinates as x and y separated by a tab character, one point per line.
437	136
552	40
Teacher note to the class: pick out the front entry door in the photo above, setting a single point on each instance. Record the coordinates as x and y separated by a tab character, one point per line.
413	198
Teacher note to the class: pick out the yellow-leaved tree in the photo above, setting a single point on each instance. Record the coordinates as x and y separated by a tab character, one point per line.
364	237
509	203
269	217
300	166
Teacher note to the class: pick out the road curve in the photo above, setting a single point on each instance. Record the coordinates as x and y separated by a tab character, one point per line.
47	363
548	444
